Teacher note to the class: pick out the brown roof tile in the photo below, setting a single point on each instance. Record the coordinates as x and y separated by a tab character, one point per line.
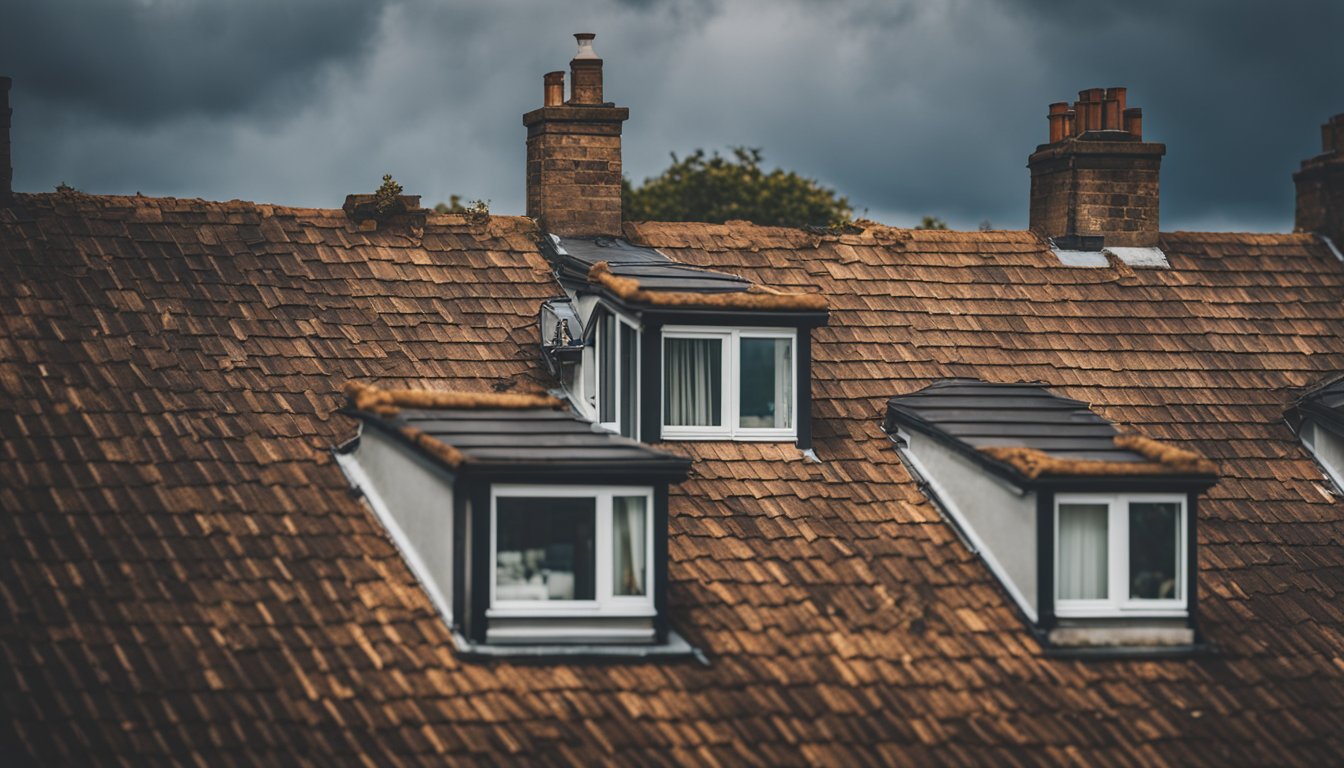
184	574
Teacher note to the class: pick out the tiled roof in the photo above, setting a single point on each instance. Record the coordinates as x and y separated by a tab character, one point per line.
185	574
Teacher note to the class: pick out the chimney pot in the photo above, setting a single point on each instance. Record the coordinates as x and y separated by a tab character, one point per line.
585	40
1134	122
585	73
1119	94
554	89
1056	118
1110	118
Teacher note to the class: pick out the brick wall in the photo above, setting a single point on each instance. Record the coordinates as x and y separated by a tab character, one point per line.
1097	185
574	168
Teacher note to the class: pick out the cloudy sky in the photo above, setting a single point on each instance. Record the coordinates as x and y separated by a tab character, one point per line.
908	107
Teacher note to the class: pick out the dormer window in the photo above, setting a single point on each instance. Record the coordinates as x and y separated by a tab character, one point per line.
728	383
1092	532
686	353
1119	555
1318	418
534	532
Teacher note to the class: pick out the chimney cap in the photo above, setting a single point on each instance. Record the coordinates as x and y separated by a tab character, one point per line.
585	45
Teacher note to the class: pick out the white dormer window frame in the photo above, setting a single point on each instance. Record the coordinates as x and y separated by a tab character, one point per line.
1325	446
606	601
1117	602
614	402
730	365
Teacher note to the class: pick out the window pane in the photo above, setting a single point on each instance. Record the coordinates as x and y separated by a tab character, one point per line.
606	368
1082	551
693	382
545	549
1153	535
630	542
766	384
629	345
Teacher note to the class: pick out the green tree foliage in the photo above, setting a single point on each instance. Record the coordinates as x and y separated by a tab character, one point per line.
716	189
932	222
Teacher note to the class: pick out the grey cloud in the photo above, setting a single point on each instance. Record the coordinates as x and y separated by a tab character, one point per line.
137	62
908	108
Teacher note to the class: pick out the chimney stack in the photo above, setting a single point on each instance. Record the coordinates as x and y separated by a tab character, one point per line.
1097	177
6	171
574	152
1320	186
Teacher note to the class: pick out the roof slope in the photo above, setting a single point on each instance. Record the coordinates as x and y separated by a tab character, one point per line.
185	574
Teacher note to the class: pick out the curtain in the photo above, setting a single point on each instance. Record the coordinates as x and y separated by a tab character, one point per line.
1082	551
628	521
693	380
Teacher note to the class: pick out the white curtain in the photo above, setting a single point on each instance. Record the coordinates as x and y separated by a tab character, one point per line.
1082	551
693	381
628	521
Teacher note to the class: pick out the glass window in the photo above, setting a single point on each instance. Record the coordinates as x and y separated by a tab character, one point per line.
1083	551
545	549
1120	555
1153	563
606	367
589	550
766	383
693	382
629	369
629	518
728	383
617	374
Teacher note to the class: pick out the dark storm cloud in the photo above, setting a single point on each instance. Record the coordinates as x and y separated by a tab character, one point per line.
139	62
907	107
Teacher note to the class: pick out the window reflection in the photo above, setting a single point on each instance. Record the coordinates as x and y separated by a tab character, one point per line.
545	549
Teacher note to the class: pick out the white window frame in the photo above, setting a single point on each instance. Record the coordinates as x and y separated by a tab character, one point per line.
615	426
731	364
606	603
1118	603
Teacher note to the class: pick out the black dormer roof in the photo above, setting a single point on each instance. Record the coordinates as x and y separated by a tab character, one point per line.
1323	404
1025	432
493	437
575	256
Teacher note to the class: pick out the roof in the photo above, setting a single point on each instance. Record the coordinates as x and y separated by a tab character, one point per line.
1031	433
641	275
476	432
184	572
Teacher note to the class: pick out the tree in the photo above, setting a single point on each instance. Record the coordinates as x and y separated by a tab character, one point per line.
717	189
932	222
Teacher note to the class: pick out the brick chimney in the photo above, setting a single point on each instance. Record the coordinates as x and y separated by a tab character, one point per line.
1320	186
1097	177
574	152
6	171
